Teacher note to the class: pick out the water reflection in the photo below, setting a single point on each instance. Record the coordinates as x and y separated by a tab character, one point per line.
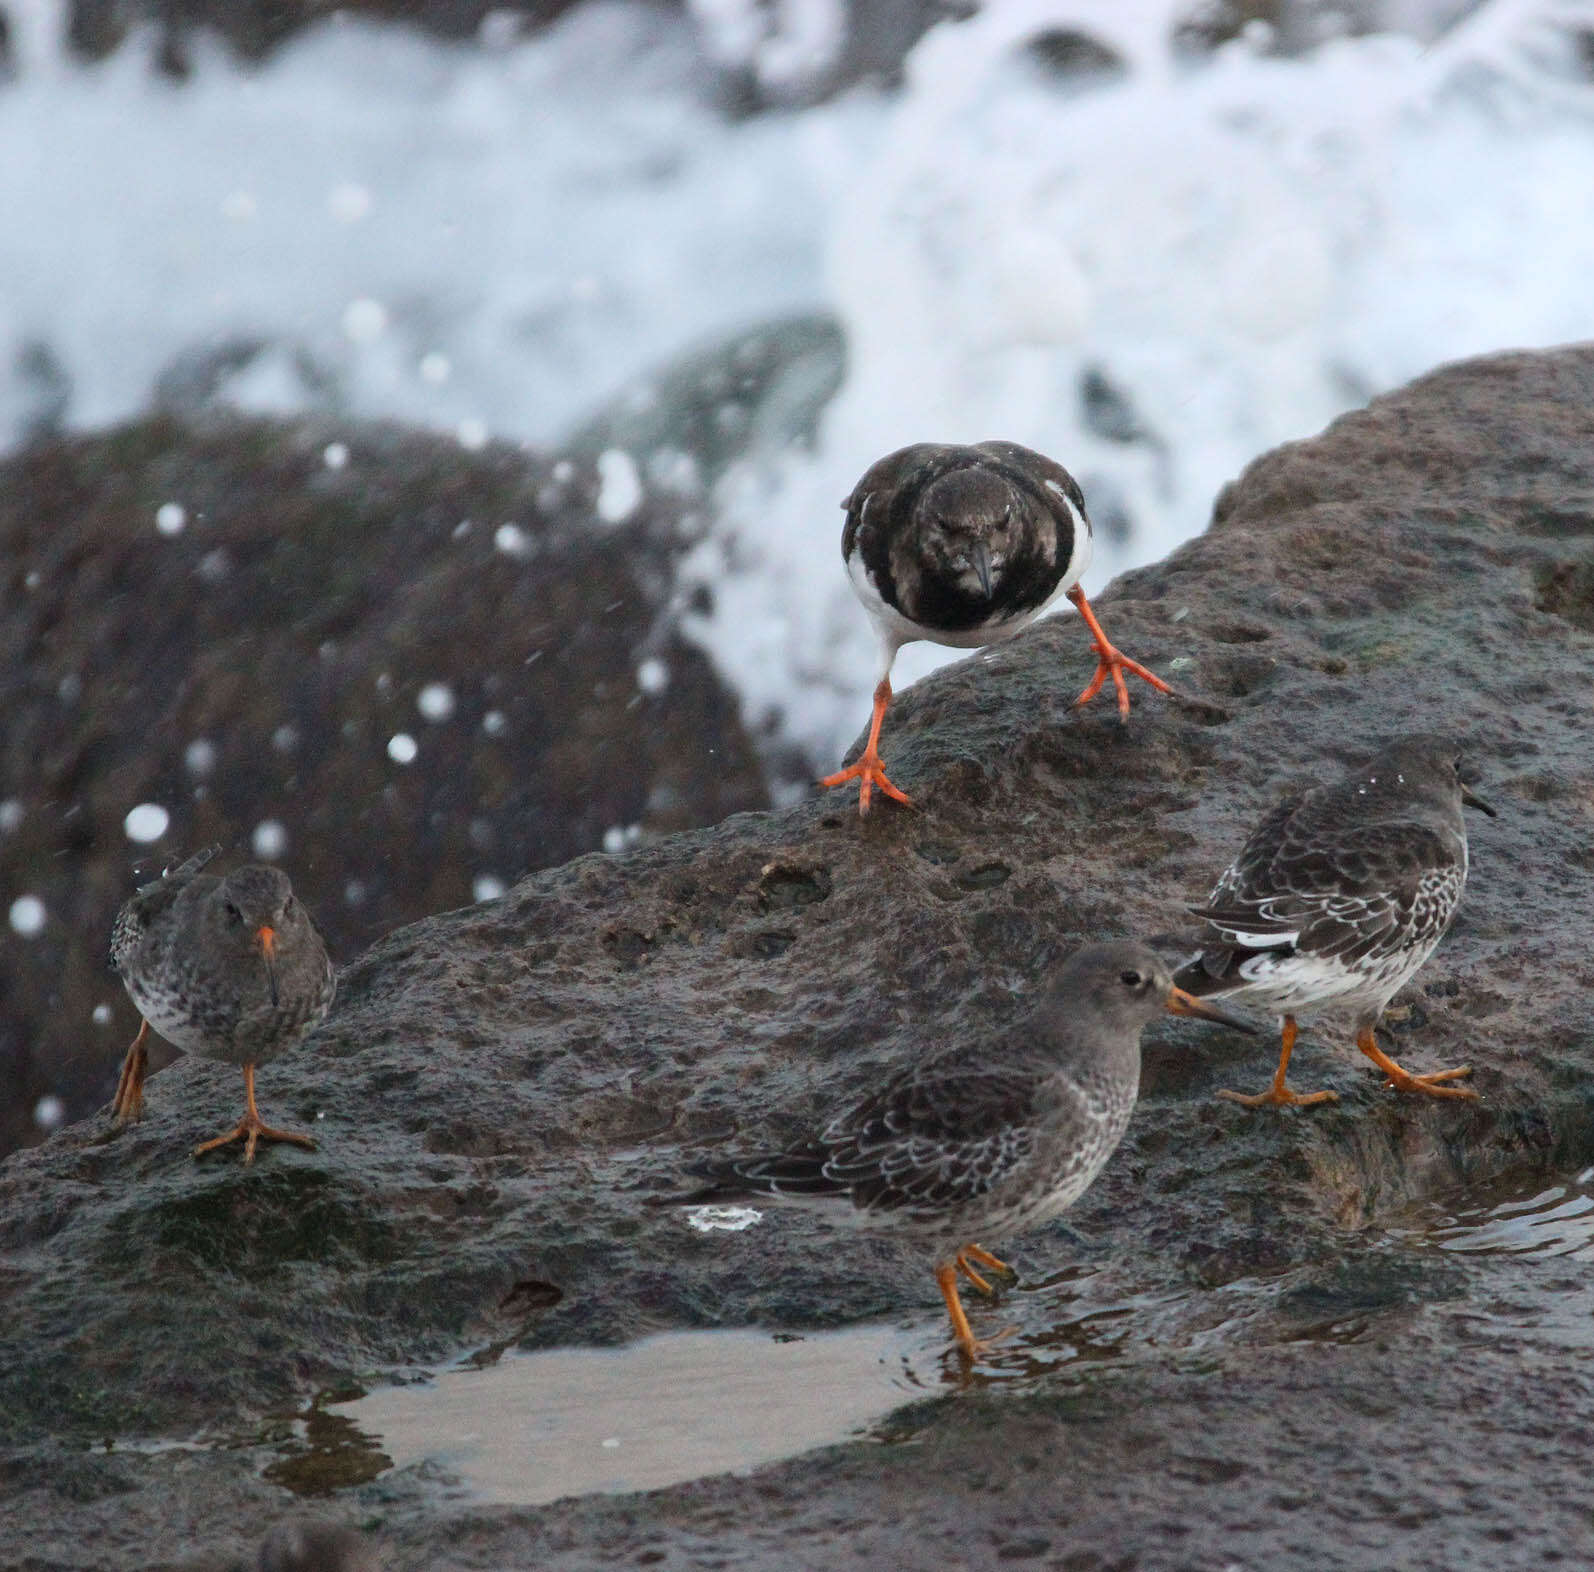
1518	1218
535	1427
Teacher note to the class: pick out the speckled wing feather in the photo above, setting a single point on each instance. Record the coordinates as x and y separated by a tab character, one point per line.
150	902
943	1135
1367	889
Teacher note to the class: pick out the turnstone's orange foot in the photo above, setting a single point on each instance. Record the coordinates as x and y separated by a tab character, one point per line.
1110	662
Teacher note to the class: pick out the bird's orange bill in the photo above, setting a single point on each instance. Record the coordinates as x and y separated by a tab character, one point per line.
868	770
268	948
1182	1003
129	1100
1402	1080
1110	661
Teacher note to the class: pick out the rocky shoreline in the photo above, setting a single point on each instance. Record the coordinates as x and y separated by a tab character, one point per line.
500	1088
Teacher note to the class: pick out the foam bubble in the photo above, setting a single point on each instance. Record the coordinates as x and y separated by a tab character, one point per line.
435	701
147	822
270	839
27	916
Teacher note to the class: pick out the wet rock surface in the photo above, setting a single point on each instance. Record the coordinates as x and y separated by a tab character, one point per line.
233	619
1300	1380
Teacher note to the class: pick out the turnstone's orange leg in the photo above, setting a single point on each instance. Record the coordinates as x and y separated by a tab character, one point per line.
1110	661
252	1127
868	771
1404	1081
1278	1095
129	1100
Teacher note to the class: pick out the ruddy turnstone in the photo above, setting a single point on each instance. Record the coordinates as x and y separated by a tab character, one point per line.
965	546
1338	897
987	1138
226	968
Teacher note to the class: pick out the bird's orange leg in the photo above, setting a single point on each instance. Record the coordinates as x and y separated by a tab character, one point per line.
974	1252
868	770
252	1127
969	1346
1110	661
946	1277
129	1100
976	1282
1404	1081
1278	1095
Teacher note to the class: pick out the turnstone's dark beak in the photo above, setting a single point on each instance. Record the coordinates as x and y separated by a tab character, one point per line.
1473	800
268	948
982	566
1182	1003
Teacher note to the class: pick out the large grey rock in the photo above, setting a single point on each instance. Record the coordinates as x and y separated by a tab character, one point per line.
500	1088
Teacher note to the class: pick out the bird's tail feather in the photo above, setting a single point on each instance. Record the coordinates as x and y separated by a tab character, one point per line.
794	1175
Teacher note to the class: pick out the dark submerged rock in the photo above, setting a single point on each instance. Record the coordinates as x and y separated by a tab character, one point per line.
749	396
503	1086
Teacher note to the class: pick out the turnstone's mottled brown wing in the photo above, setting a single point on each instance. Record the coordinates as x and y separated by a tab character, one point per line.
886	520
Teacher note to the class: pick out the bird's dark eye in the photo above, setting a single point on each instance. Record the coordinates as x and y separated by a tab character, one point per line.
1132	979
233	914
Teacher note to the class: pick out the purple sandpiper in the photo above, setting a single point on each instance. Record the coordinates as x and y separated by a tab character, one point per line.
986	1138
1338	897
225	968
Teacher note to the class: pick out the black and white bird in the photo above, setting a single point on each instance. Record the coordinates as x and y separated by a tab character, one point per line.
964	546
986	1138
1338	897
224	968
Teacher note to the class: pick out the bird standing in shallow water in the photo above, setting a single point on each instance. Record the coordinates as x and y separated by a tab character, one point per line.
987	1138
965	546
1338	897
225	968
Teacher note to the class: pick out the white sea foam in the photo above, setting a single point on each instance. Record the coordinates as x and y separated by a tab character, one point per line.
1236	250
1223	251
